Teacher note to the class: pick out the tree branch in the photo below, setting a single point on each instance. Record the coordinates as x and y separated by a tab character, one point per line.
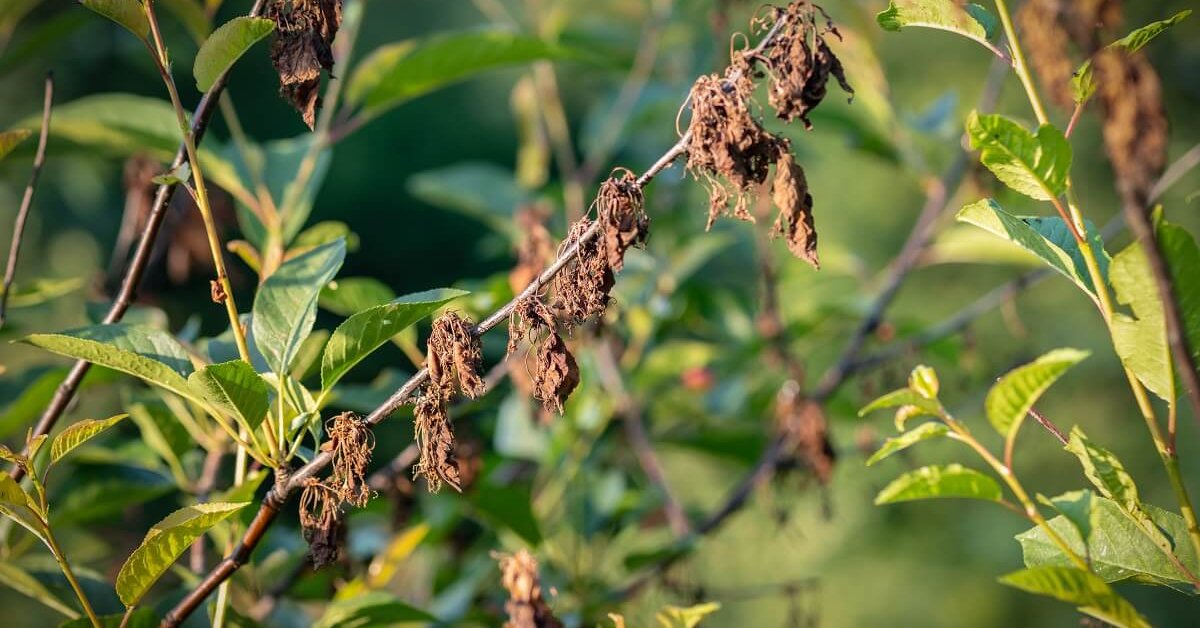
141	258
14	250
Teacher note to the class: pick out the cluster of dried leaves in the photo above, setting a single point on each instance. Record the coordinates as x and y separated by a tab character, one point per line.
350	443
805	431
729	148
1050	28
302	47
526	607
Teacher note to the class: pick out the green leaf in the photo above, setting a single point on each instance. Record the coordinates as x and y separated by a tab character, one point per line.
1076	506
485	192
371	609
1183	260
349	295
1141	339
226	45
685	617
163	433
1014	395
324	233
16	504
1138	38
1083	83
925	431
32	396
78	434
278	164
10	139
971	21
285	307
909	404
1034	165
149	354
235	388
22	582
1047	238
1116	547
127	13
39	291
140	618
940	481
399	72
100	491
923	380
164	543
191	14
509	507
1109	476
366	331
1088	592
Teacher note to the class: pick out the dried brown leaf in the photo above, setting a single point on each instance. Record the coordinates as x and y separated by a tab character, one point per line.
320	521
454	349
582	289
620	206
800	61
1135	124
526	606
435	439
302	47
351	442
795	219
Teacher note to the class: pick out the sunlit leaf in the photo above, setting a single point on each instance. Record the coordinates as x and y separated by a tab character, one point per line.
940	481
16	504
127	13
366	331
1141	339
971	20
164	543
235	388
925	431
1138	38
1092	595
285	307
349	295
78	434
1011	398
10	139
1034	165
22	582
226	45
1109	476
685	616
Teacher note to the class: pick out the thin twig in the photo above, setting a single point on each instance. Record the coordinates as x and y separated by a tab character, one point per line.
1049	425
14	250
141	258
284	485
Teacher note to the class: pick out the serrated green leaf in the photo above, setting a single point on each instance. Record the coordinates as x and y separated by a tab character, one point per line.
127	13
370	610
149	354
925	431
1034	165
16	504
1141	340
1138	38
903	397
971	21
1076	506
1011	398
1116	547
10	139
164	543
398	72
226	45
78	434
1047	238
1092	595
940	481
685	616
235	388
366	331
22	582
285	307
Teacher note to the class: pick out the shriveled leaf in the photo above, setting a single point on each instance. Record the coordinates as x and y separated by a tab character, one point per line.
1115	545
940	481
164	543
925	431
285	307
1047	238
78	434
235	388
10	139
1009	401
1141	339
127	13
22	582
226	45
685	616
398	72
970	20
1034	165
1092	595
366	331
149	354
370	610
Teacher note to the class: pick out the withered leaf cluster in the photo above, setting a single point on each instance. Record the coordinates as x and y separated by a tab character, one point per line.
1135	125
454	355
802	424
526	607
801	62
350	444
534	251
795	219
555	371
621	207
582	289
302	47
320	520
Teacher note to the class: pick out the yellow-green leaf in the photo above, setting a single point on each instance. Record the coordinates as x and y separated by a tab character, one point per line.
164	543
16	505
1034	165
940	481
10	139
1012	397
127	13
78	434
22	582
925	431
685	616
226	45
1092	595
1141	340
970	20
285	307
235	388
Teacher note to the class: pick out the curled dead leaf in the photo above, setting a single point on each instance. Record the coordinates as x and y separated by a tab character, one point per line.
302	47
795	219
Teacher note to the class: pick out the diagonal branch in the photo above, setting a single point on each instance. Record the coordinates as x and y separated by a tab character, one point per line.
284	485
141	257
14	251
